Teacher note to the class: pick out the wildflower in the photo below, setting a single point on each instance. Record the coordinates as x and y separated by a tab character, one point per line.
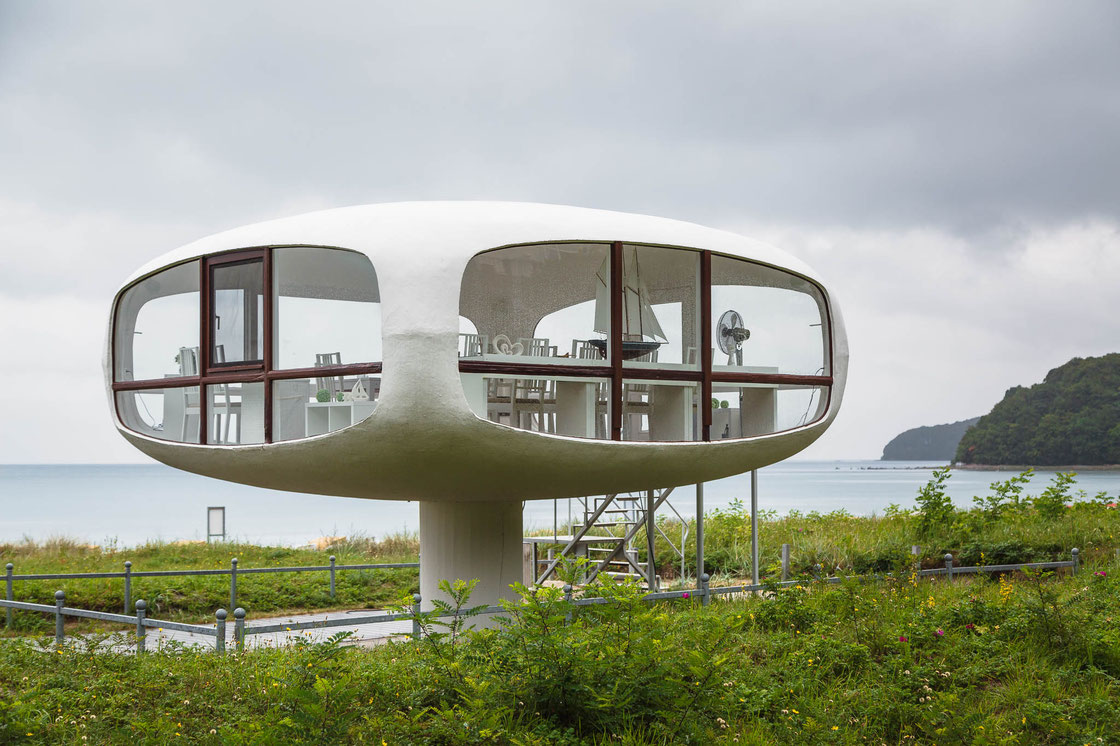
940	633
970	625
686	595
903	638
1102	573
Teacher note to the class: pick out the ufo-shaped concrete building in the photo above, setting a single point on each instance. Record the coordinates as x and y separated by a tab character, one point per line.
473	355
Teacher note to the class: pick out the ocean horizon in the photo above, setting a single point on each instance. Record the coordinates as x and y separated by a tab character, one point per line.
130	504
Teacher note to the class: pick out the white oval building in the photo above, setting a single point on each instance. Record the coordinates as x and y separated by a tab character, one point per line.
472	355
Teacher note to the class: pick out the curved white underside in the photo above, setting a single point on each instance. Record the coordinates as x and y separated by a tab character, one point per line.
423	442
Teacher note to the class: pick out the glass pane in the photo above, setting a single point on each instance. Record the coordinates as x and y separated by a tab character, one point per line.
304	407
328	308
744	410
563	406
235	413
167	414
660	411
156	327
546	303
661	308
766	321
237	313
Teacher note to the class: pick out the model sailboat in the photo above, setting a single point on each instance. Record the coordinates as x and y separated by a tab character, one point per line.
641	333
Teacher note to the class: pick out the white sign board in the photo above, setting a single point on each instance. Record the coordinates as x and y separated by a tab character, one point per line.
215	522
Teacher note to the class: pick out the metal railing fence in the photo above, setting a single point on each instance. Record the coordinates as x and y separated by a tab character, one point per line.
241	630
128	574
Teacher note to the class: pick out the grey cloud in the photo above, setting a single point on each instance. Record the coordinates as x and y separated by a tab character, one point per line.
868	114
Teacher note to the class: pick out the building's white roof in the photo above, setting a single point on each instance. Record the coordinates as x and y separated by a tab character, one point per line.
453	232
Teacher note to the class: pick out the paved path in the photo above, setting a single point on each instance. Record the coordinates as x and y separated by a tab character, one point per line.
362	634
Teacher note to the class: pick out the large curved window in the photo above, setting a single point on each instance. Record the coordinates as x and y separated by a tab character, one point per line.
248	347
544	304
766	320
156	329
631	342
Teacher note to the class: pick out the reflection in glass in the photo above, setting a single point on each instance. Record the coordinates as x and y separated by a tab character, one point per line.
305	407
237	312
156	327
327	304
765	320
167	414
744	410
235	413
576	407
660	411
535	302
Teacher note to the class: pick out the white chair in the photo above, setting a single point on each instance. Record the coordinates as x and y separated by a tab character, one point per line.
332	384
582	349
224	410
537	347
531	397
637	403
472	345
188	366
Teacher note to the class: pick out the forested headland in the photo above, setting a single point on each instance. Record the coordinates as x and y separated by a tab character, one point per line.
1072	417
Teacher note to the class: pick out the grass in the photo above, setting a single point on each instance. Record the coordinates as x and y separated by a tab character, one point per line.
1005	527
196	598
1025	659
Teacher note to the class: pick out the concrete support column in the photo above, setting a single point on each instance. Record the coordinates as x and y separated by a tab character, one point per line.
468	540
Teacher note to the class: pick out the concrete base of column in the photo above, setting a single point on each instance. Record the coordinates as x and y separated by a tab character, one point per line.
468	540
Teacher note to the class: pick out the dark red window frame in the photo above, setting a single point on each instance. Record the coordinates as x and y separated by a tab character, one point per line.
251	372
617	371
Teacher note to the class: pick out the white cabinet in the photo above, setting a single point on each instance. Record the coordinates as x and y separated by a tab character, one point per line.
328	416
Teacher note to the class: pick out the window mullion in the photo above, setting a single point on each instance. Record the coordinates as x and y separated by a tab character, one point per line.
706	345
616	340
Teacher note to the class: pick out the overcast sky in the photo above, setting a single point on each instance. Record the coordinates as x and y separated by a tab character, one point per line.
951	169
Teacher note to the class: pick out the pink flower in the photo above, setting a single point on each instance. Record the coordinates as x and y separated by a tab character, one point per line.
686	595
903	639
940	633
970	625
1102	573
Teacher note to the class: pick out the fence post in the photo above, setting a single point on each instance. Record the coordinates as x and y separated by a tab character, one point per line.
948	566
233	583
785	562
220	638
706	592
1076	559
415	616
127	586
332	576
59	602
239	628
568	601
8	595
916	553
141	631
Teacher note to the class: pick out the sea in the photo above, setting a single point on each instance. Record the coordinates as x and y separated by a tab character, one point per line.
129	505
